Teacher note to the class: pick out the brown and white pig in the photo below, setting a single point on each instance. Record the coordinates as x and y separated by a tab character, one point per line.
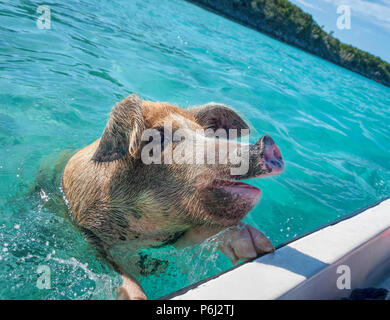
124	204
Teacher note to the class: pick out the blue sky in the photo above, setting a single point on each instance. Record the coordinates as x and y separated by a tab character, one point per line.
370	22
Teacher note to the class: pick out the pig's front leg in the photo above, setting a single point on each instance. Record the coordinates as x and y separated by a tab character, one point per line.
241	242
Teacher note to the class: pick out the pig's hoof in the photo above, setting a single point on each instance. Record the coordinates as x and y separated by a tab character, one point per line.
245	242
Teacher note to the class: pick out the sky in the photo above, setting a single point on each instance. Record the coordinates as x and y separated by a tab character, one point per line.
369	22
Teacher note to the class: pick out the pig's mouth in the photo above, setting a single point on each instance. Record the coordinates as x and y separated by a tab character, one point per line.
232	198
229	201
242	193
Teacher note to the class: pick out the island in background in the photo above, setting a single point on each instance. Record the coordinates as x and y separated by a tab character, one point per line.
286	22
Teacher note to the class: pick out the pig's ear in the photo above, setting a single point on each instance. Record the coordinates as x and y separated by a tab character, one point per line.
218	116
123	131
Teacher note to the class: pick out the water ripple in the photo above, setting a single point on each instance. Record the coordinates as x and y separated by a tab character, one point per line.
58	85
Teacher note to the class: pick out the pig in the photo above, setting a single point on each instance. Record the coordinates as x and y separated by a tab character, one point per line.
123	204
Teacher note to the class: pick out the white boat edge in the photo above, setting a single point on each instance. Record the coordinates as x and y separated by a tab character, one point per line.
328	263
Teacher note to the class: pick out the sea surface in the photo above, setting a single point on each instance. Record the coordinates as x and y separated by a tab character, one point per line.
58	85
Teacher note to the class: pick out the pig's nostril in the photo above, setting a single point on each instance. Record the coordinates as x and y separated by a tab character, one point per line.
272	153
277	153
267	140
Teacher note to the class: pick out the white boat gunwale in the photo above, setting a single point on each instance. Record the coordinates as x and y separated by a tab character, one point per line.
288	294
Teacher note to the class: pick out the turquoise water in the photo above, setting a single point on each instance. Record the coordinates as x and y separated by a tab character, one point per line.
57	86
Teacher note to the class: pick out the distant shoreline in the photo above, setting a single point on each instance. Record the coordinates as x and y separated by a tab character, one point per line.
285	22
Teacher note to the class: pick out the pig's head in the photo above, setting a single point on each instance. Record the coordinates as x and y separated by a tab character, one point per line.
169	175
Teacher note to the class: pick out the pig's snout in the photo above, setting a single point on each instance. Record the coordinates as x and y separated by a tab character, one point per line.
270	155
